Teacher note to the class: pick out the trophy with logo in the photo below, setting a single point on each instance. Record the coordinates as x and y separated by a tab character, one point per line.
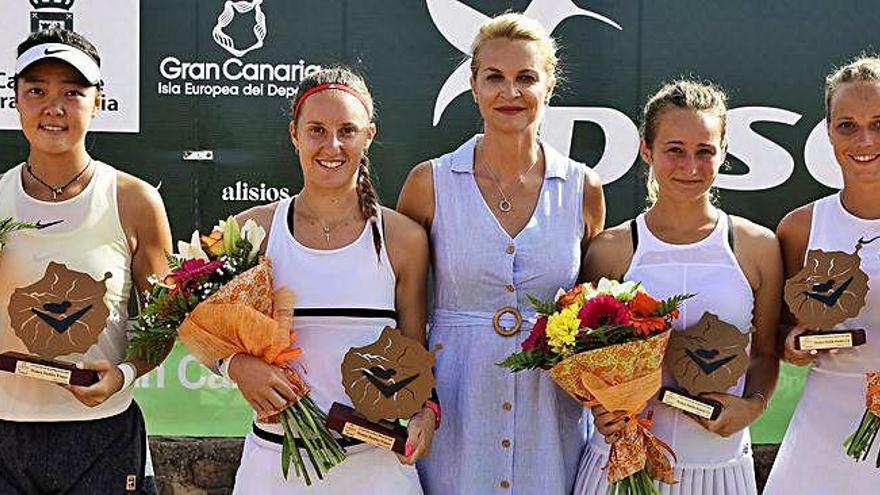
63	313
387	381
711	356
830	289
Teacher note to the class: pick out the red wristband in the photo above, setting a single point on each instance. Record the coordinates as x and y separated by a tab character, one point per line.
436	408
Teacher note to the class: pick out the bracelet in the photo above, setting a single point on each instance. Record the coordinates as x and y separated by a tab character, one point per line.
429	404
223	368
763	399
129	374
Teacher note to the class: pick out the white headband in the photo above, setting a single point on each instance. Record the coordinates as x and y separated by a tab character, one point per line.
79	59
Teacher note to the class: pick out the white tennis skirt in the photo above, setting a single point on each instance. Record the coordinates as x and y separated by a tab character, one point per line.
365	469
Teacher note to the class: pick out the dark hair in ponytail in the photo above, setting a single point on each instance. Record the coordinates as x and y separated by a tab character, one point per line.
368	198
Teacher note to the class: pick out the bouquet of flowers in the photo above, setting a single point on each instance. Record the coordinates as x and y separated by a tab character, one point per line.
219	300
859	443
604	344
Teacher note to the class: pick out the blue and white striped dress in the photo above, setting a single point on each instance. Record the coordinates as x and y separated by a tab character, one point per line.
501	432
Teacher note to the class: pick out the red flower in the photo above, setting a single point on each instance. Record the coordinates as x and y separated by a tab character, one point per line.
538	338
644	322
192	270
643	305
603	310
645	326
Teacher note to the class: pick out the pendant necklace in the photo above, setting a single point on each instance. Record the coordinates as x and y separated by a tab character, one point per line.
504	204
326	228
57	190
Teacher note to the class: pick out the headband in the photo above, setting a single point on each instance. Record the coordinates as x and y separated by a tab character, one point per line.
77	58
325	87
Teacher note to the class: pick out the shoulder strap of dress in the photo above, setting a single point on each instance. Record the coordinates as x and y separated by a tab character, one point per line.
634	233
730	235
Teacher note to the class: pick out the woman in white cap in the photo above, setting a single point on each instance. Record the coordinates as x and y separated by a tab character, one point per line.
64	289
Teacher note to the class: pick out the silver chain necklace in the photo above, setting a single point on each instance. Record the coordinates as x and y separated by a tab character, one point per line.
505	205
326	228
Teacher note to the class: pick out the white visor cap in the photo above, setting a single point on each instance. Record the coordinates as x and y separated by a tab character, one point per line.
77	58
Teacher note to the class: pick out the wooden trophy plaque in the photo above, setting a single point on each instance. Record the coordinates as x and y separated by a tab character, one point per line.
46	369
387	381
830	289
708	357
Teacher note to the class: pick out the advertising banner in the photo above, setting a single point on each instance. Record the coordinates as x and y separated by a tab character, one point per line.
112	25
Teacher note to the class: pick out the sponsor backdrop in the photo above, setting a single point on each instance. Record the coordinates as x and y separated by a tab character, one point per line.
117	35
197	104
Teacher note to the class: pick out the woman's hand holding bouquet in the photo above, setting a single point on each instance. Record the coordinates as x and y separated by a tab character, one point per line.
604	345
219	300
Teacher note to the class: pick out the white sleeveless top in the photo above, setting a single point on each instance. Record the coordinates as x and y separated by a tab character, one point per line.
63	293
709	270
835	229
344	298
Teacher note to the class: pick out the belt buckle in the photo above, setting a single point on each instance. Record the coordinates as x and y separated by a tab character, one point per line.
507	331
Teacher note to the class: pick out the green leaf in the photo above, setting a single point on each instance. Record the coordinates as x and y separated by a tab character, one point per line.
8	226
528	360
544	307
173	261
671	304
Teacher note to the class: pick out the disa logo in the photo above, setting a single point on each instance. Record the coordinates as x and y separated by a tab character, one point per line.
769	164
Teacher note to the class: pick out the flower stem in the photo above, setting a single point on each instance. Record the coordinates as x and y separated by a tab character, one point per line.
859	443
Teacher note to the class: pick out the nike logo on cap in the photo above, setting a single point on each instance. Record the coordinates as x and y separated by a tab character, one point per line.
49	51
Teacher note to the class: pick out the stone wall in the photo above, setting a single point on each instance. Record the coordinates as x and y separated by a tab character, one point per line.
206	466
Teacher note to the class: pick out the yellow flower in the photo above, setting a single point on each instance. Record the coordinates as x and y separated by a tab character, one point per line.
562	329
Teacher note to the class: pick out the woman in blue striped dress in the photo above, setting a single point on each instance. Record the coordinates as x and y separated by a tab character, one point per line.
508	217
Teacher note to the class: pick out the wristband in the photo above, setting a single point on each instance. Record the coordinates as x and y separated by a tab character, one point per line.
129	374
429	404
223	368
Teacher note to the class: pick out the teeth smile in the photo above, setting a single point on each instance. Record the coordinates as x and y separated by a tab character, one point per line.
330	163
864	158
52	127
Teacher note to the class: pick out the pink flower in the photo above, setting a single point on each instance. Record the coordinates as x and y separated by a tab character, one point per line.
603	310
191	270
538	338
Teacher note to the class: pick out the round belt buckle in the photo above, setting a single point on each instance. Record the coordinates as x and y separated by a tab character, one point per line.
511	330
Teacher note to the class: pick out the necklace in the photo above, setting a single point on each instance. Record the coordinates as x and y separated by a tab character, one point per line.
505	205
59	189
326	228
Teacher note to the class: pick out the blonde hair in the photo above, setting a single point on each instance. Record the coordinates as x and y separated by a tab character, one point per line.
515	26
864	68
684	94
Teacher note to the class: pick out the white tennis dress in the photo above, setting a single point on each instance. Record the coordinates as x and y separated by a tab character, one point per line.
344	298
708	464
811	459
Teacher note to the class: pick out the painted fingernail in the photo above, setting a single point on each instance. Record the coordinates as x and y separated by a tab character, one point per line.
408	449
